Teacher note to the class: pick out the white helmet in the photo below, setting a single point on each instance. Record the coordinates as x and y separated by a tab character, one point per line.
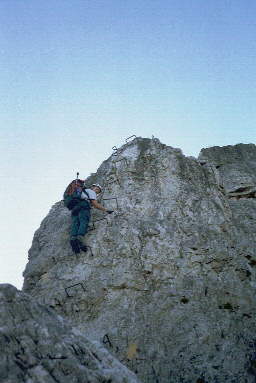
98	186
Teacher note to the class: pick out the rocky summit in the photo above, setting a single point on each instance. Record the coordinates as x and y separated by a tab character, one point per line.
168	282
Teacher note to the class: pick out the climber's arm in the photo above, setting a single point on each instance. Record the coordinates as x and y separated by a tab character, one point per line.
97	205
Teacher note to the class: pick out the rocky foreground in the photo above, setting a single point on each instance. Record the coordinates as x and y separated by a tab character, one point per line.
168	283
38	346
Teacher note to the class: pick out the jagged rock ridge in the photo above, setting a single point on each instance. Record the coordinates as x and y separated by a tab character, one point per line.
168	285
39	346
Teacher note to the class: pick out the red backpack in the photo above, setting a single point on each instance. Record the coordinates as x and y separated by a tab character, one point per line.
72	194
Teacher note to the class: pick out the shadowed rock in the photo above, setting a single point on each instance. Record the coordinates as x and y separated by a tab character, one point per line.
39	346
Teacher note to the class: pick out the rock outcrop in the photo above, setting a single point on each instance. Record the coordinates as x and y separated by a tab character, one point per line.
39	346
168	283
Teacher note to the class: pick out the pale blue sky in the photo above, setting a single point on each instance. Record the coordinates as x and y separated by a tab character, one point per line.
79	76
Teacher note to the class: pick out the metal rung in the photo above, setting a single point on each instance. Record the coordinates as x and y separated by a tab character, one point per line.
128	139
100	219
89	247
92	227
108	199
121	159
115	151
111	182
69	287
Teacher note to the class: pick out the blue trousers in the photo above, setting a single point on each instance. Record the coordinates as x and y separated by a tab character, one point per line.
80	216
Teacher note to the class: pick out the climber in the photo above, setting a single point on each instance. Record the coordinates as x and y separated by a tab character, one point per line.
80	215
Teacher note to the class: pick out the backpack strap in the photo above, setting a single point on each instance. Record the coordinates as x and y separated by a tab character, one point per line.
86	194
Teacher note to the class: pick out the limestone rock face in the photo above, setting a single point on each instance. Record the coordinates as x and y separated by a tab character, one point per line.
168	284
236	168
39	346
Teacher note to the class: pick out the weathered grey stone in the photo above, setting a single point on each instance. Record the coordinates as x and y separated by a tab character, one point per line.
236	168
39	346
169	283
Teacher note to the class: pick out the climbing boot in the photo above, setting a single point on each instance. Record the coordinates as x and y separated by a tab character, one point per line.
81	245
75	246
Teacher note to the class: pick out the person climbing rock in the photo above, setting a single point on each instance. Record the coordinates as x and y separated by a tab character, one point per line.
80	215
